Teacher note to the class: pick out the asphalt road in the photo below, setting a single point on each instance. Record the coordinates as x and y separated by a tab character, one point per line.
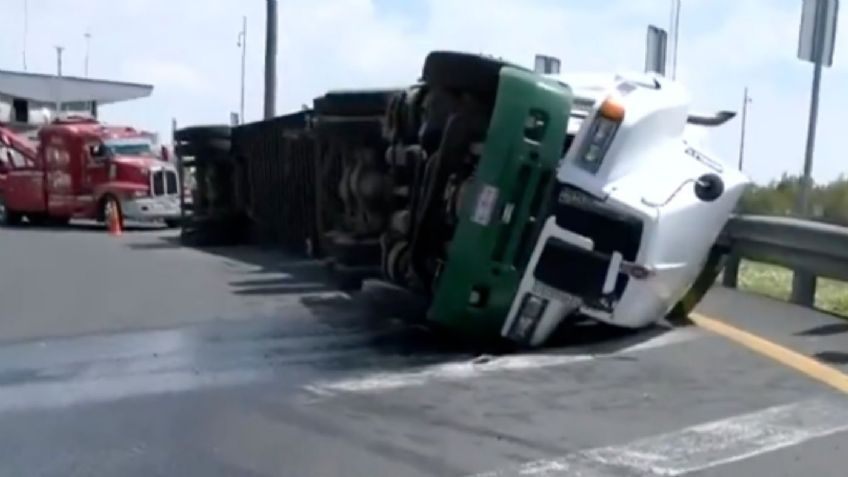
134	356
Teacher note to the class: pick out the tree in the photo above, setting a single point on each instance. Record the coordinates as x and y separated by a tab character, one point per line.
829	201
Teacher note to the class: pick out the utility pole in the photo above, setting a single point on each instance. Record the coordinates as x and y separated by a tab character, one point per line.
271	59
87	50
675	33
803	202
242	42
59	50
816	44
746	100
26	33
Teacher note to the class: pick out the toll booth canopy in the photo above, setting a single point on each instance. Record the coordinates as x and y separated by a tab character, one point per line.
32	98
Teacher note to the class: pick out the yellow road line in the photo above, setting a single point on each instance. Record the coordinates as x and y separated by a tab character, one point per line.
802	363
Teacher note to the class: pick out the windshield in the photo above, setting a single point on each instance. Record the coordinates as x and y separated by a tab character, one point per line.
129	147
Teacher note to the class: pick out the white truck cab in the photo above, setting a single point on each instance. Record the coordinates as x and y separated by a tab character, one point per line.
637	210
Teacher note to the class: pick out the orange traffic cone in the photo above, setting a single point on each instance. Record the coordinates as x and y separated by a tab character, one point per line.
113	221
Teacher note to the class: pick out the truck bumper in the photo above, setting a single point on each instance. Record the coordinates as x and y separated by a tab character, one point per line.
552	305
541	304
151	208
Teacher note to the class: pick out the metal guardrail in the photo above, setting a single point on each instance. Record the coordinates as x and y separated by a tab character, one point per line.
810	249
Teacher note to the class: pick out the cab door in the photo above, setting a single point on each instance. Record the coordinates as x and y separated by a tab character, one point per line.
23	185
59	177
94	171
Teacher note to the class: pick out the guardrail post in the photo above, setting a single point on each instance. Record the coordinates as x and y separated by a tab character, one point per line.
803	288
730	276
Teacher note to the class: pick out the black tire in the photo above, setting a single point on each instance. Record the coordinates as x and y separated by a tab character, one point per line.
203	133
185	150
8	217
217	149
215	144
462	72
172	223
58	221
702	284
355	102
359	130
38	219
348	278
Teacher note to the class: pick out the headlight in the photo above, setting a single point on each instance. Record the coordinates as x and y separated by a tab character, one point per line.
137	194
530	312
601	133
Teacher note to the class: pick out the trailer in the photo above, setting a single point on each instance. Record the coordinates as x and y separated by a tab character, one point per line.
506	199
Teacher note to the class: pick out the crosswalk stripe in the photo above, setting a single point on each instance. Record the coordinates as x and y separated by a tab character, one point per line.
698	447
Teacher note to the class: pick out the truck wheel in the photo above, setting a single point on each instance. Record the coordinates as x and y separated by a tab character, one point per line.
702	284
172	223
58	221
37	219
462	71
202	133
358	130
8	217
355	103
204	148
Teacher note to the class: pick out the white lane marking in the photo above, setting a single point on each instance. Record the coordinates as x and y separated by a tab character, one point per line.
699	447
385	381
61	394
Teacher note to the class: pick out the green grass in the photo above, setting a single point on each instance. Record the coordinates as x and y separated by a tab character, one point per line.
776	282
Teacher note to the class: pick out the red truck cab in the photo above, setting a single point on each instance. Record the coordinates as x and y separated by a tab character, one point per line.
18	158
81	168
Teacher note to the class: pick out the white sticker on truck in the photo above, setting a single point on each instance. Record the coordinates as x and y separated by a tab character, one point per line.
487	199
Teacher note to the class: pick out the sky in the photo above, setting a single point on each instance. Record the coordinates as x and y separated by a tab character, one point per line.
188	50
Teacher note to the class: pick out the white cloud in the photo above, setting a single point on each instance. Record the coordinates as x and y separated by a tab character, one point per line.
168	74
188	50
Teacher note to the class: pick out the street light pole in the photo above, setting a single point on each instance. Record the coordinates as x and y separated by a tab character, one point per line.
746	100
26	33
59	50
803	202
803	283
242	42
270	59
87	51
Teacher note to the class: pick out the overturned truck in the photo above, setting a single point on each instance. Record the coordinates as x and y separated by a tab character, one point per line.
511	200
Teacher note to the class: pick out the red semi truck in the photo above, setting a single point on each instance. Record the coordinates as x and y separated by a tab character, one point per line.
81	168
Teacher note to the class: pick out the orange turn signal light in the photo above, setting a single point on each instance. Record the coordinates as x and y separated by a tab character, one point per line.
612	109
